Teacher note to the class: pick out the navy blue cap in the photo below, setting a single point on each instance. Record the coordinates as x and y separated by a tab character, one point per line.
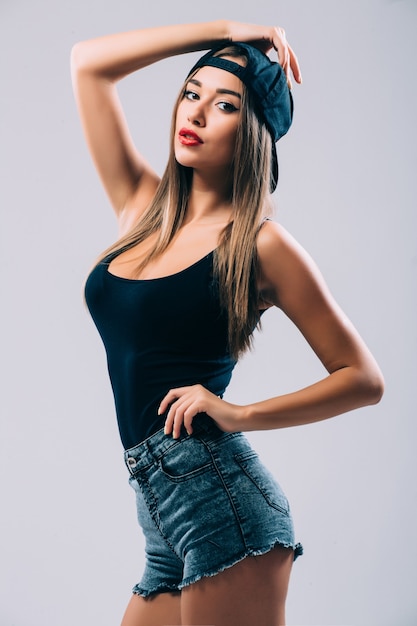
266	81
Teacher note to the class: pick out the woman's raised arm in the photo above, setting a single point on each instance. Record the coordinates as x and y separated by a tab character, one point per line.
98	64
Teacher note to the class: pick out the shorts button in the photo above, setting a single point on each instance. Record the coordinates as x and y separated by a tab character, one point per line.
131	462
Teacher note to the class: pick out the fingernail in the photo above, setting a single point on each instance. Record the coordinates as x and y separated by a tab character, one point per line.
159	410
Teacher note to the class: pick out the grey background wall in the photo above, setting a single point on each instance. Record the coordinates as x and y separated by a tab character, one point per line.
70	547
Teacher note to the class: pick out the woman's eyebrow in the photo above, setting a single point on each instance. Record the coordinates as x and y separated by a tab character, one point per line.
196	82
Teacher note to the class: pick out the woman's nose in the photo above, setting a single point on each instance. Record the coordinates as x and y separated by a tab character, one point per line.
197	116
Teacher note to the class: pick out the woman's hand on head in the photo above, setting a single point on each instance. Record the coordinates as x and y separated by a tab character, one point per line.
267	38
185	403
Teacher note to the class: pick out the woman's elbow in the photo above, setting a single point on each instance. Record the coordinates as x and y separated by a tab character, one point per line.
82	58
373	385
78	58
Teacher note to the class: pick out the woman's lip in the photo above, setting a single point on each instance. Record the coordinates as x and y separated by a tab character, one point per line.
189	137
188	141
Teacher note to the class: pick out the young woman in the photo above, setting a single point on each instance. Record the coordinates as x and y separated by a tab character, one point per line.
176	300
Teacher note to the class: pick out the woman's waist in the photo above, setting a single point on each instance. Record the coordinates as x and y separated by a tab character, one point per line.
153	449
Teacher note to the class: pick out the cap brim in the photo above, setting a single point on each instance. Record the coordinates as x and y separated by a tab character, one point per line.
274	169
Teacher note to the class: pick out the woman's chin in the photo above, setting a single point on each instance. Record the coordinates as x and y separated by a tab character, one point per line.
187	159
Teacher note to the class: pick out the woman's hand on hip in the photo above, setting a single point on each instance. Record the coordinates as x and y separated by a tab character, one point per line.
186	402
267	38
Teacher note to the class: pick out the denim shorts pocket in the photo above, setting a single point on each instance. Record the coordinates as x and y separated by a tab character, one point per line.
262	479
188	459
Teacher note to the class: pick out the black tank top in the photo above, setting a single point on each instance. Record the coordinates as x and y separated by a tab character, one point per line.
158	334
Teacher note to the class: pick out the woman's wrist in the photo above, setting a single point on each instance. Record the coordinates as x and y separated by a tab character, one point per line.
243	421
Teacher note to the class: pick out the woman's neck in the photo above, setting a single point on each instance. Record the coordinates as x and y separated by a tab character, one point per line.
208	202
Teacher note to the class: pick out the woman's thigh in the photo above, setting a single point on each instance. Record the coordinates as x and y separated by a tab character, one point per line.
251	592
163	609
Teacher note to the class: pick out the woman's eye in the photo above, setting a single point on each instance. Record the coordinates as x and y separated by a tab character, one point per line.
228	107
190	95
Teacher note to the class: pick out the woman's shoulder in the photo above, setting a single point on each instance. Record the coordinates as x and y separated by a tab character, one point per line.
280	257
273	239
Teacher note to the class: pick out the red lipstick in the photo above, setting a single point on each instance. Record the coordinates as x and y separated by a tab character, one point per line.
189	137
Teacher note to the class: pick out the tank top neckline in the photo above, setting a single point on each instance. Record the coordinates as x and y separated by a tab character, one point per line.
106	262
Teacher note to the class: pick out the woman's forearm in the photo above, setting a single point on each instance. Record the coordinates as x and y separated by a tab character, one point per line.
115	56
343	390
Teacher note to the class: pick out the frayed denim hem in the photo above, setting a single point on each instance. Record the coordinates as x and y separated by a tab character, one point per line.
162	588
298	551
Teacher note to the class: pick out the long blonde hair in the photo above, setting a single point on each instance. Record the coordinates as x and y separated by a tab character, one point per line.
235	258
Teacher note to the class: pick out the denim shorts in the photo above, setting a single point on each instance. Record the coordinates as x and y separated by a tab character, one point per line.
204	503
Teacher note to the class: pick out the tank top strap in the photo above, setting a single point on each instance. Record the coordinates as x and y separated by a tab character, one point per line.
264	219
